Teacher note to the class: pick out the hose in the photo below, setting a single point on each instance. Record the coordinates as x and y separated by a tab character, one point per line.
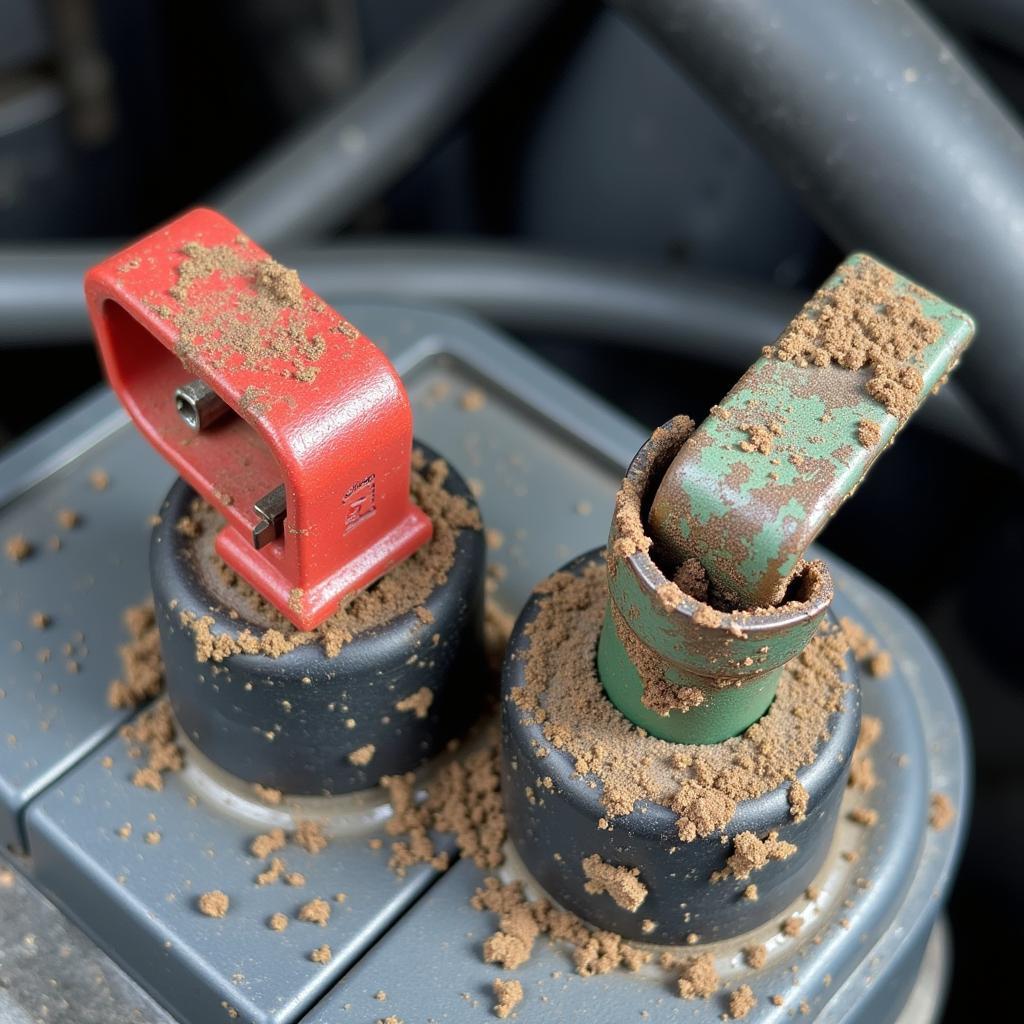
998	21
41	298
317	178
518	288
697	316
895	143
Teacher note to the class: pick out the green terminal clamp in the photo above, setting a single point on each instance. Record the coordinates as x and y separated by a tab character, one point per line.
705	613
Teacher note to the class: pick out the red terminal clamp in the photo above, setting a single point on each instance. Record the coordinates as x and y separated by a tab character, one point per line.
278	411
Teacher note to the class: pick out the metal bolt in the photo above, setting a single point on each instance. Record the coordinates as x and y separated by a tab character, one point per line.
271	509
199	405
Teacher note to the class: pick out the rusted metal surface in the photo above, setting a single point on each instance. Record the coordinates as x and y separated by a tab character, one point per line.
760	478
744	495
725	667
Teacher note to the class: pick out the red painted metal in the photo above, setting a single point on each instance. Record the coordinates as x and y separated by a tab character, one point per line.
337	433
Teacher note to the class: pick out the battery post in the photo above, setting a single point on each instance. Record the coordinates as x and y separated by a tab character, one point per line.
296	430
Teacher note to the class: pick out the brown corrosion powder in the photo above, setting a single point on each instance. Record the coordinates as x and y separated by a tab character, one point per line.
309	835
402	590
798	799
213	904
864	322
264	845
698	977
267	794
628	526
68	518
418	703
692	578
274	871
522	921
760	438
865	649
660	695
153	732
142	667
509	994
316	911
702	784
464	800
868	433
751	854
17	548
621	883
866	816
862	765
741	1002
756	956
942	812
261	326
362	756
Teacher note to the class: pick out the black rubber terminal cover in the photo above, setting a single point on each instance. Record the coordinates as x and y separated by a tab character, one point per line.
292	722
558	828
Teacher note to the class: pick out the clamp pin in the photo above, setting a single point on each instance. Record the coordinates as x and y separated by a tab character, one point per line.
271	509
199	405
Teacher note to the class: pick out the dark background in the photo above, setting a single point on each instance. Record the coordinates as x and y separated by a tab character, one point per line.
116	114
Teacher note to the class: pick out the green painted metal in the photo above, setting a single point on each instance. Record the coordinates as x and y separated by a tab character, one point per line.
661	639
748	516
711	722
747	512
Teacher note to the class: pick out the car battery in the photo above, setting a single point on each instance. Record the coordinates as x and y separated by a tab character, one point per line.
242	885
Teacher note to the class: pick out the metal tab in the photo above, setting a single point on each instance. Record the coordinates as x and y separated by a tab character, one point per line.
272	510
761	476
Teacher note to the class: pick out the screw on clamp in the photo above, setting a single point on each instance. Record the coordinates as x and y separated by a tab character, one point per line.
199	405
279	412
750	489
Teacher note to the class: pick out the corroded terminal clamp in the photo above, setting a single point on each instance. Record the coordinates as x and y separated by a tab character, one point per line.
272	406
762	476
744	495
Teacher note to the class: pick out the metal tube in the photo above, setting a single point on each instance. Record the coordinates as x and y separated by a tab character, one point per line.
520	288
723	322
317	178
999	21
199	405
41	297
896	143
